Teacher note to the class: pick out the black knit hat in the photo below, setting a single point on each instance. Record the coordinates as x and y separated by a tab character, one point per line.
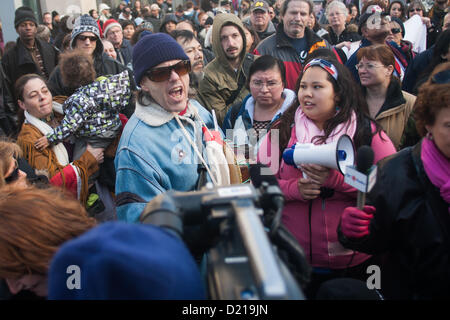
24	14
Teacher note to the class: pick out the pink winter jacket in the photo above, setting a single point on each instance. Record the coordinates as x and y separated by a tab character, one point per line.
314	222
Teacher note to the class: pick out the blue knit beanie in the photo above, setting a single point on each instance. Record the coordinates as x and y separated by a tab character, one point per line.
117	260
152	50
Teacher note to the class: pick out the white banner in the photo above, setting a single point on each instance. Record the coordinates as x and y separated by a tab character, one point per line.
416	33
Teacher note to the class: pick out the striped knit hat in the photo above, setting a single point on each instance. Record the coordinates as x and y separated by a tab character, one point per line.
84	23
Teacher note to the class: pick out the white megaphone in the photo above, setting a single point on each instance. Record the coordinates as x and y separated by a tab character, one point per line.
336	155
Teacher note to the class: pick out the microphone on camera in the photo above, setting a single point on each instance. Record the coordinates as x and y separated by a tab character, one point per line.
363	175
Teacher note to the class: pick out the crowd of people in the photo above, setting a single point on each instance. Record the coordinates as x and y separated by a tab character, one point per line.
100	116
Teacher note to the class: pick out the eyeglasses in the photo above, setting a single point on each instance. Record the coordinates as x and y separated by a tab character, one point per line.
269	84
162	74
368	66
14	175
396	30
335	14
415	9
91	38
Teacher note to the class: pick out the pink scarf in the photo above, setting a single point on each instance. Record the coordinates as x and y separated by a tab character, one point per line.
305	129
437	168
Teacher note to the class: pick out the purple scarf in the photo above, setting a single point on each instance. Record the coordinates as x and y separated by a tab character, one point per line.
437	168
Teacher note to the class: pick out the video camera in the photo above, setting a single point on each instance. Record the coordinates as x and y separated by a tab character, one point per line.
227	224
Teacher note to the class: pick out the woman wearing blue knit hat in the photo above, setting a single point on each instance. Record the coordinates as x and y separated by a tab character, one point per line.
162	145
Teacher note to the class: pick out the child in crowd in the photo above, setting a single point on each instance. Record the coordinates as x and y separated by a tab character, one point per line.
91	114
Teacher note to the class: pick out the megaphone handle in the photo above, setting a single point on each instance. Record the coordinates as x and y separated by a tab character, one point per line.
361	200
305	176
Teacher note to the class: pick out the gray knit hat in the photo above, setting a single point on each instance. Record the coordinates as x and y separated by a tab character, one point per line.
84	23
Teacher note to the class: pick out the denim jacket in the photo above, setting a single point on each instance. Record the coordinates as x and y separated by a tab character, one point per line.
154	156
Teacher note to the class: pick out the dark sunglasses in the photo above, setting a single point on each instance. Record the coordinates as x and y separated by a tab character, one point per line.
14	175
91	38
415	9
162	74
396	30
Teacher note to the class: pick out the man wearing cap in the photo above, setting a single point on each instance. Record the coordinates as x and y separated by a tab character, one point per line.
152	14
86	36
113	32
125	14
293	40
226	5
224	82
260	19
374	26
29	55
117	11
103	9
161	147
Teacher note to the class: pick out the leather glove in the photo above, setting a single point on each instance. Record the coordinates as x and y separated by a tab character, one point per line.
355	223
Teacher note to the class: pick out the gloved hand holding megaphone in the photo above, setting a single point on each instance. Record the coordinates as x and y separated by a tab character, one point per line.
314	160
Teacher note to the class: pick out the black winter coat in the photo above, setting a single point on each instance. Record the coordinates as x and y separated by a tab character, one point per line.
412	226
104	66
18	61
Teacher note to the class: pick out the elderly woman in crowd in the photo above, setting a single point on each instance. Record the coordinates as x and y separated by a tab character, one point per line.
162	144
268	99
388	104
396	34
41	115
34	223
329	107
336	13
411	221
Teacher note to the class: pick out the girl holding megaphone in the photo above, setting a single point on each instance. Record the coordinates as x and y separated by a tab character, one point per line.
330	105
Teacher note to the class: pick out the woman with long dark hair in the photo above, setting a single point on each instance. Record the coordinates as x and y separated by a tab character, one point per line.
42	113
329	107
